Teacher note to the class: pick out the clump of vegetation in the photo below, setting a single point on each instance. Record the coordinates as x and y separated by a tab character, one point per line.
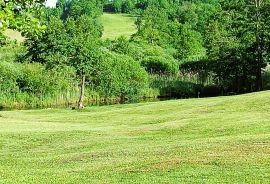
120	76
220	52
25	85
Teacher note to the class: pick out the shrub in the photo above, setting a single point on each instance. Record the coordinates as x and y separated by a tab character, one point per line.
9	73
119	76
25	85
158	64
173	86
38	80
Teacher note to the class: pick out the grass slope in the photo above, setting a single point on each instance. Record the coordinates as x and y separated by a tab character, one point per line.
116	25
214	140
14	35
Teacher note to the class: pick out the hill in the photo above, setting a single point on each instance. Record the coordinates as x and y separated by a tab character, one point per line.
14	35
212	140
116	25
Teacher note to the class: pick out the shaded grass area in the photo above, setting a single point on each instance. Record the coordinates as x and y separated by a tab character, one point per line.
213	140
116	25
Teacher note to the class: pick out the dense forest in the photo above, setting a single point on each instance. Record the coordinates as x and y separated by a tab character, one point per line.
181	49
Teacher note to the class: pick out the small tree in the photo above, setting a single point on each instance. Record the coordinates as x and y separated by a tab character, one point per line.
84	42
73	43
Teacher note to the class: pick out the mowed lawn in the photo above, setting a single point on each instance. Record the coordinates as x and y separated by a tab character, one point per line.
116	25
213	140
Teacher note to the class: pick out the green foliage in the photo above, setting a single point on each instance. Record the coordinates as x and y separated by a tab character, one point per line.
23	16
237	41
127	6
153	29
158	28
154	58
3	39
117	6
74	9
190	44
9	73
120	6
35	79
120	76
122	45
224	42
171	86
72	43
33	84
156	64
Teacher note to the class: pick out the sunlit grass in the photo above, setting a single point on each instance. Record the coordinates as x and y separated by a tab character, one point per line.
14	35
116	25
213	140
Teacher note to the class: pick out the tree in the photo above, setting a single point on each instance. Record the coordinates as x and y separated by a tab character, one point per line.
73	43
127	6
241	34
74	9
116	6
153	27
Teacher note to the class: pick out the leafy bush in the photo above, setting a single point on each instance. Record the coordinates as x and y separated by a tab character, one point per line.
3	39
119	76
157	64
35	79
154	58
173	87
32	84
9	73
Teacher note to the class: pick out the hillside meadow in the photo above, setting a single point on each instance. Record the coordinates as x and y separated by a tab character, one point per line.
116	25
211	140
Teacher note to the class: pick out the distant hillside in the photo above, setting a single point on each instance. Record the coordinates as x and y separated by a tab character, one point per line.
14	35
116	25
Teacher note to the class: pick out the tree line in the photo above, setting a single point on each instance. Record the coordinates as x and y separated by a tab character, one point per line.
223	43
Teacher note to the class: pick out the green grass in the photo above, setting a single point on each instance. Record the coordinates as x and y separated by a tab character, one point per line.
213	140
116	25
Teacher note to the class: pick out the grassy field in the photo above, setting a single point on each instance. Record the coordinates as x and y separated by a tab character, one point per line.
213	140
116	25
14	35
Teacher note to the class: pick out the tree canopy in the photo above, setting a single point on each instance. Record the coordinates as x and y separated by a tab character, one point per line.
22	15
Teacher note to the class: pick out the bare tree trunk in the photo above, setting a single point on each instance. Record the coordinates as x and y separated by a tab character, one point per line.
80	103
259	46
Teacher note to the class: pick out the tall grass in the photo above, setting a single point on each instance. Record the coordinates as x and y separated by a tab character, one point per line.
22	100
181	85
24	85
31	85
